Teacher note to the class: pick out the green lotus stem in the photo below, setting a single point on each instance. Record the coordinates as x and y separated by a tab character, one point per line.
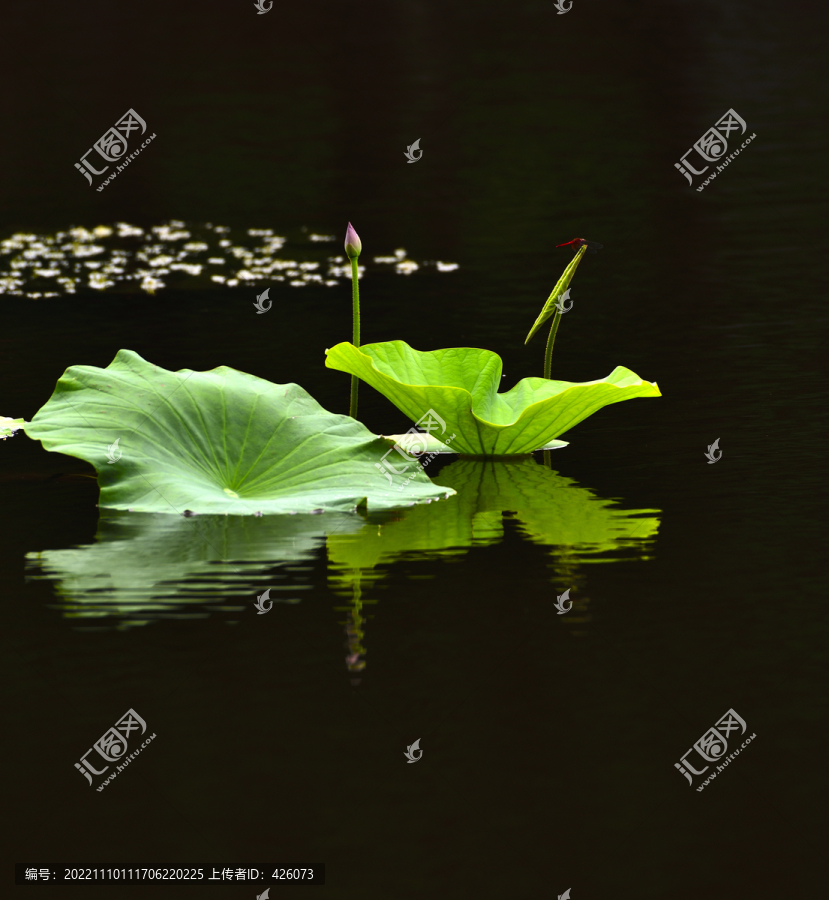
353	246
548	353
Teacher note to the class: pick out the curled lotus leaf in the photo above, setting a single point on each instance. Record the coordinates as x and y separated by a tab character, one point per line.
458	388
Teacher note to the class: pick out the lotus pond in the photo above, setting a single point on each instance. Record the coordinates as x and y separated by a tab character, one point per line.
544	513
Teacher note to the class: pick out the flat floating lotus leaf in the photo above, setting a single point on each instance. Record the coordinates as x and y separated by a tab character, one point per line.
460	385
220	441
417	444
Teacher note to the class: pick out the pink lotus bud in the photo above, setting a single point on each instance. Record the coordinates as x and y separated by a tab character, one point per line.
352	243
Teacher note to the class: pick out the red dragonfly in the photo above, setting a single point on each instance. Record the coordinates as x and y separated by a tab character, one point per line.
592	246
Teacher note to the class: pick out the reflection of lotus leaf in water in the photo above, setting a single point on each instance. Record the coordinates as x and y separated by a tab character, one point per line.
146	566
548	508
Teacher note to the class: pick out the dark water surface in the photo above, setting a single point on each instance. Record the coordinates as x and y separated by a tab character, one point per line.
549	741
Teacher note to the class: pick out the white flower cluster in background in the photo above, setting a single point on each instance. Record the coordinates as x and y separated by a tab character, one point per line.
104	257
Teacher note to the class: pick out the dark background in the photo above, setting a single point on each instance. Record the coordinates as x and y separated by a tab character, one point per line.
549	761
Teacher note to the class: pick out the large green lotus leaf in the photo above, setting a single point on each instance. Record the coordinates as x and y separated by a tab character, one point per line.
148	566
461	384
550	509
220	441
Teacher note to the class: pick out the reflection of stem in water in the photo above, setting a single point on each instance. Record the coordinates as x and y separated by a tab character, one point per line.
567	568
568	574
354	631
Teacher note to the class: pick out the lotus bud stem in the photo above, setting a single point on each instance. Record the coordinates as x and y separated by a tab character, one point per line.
353	246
